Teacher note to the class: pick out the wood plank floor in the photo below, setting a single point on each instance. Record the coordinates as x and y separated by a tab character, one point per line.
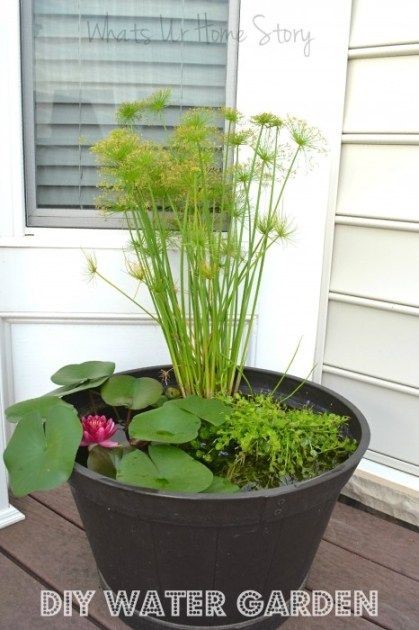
49	550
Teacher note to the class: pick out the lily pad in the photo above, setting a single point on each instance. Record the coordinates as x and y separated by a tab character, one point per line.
34	406
77	373
221	484
168	423
105	461
160	401
72	389
41	453
210	409
131	392
164	468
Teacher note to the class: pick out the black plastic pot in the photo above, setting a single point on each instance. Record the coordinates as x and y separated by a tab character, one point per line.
260	540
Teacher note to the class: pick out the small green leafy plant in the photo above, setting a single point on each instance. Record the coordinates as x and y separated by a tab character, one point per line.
263	444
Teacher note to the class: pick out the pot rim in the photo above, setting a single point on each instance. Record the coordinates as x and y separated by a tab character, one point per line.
349	464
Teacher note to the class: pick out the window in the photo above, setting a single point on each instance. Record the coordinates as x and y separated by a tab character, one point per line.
81	58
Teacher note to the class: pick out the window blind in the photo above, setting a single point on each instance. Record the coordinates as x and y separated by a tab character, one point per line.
88	56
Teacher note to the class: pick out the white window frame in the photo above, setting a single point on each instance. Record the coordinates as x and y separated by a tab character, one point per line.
61	218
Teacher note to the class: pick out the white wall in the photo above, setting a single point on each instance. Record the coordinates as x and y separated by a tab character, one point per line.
280	77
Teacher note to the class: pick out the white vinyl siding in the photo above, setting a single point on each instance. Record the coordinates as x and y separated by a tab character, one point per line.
381	191
379	262
380	402
372	331
383	92
377	340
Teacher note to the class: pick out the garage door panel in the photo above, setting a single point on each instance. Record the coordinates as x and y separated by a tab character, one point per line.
379	181
387	412
381	343
368	263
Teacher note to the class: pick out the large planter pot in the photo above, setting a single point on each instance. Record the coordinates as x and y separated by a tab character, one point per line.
261	540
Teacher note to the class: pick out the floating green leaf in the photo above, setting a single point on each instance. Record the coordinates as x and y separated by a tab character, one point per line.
41	453
72	389
168	423
212	410
165	468
78	373
105	461
131	392
221	484
34	406
160	401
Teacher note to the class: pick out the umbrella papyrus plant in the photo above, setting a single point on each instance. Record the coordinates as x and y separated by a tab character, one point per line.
203	209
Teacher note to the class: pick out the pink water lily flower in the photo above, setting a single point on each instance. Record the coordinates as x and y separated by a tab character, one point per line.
98	430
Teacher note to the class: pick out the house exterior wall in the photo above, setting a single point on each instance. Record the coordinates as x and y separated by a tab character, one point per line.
369	325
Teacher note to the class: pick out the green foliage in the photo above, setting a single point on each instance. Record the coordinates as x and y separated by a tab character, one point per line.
42	449
177	421
213	193
262	445
212	410
130	113
105	461
66	390
228	442
131	392
168	423
164	468
76	374
172	393
215	196
80	376
222	485
33	407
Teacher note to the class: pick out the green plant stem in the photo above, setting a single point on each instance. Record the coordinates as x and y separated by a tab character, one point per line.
193	196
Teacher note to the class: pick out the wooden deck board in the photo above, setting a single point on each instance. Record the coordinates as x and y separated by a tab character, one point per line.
58	552
376	539
60	501
27	613
335	568
359	551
